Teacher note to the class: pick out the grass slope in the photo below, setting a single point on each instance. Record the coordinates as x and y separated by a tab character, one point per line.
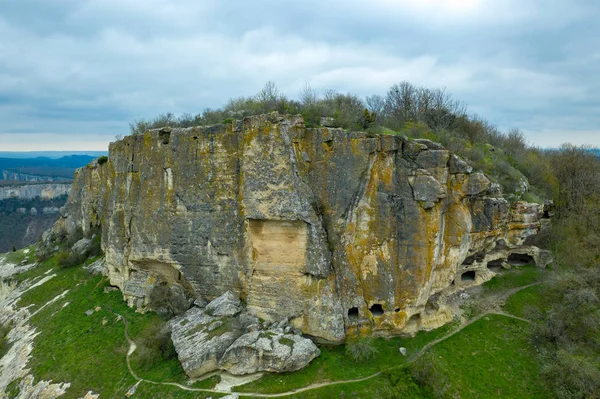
90	351
489	358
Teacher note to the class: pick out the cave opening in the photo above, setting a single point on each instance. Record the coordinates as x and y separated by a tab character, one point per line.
495	265
468	276
353	314
501	244
478	257
414	323
520	260
430	308
376	310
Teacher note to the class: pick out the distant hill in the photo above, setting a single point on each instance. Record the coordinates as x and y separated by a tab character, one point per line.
49	154
42	168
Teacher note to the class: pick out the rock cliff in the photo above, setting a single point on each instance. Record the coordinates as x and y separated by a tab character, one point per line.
29	191
341	233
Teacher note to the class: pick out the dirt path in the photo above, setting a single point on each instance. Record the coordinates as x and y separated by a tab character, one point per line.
497	299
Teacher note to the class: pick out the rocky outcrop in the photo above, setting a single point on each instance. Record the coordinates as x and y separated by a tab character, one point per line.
17	176
272	351
219	337
201	340
30	191
343	233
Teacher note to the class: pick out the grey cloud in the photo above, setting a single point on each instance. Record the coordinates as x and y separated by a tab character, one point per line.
95	65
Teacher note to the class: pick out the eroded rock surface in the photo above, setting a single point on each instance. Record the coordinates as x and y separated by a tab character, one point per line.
200	340
272	351
342	233
237	343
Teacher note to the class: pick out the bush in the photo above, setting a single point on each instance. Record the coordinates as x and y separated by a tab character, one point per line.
102	160
154	345
361	349
402	385
66	259
426	372
4	344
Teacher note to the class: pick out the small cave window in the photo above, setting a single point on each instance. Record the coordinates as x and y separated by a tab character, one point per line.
353	314
376	310
468	276
397	310
520	259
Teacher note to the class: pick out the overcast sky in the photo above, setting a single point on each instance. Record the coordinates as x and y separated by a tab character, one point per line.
74	73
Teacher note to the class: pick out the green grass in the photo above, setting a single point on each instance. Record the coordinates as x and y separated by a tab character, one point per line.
520	302
4	344
334	364
376	388
19	256
152	391
90	351
491	358
517	276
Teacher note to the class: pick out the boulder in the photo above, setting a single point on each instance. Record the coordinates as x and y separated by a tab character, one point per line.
427	188
200	340
227	305
98	267
272	351
478	183
82	246
327	121
457	165
433	159
430	144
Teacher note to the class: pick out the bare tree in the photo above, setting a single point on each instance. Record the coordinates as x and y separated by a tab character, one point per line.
376	104
308	95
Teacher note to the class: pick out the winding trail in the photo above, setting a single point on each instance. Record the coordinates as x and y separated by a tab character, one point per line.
498	299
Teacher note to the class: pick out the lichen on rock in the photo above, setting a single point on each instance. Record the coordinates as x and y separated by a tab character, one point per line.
341	233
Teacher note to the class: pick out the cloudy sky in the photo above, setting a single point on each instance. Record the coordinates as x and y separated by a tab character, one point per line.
74	73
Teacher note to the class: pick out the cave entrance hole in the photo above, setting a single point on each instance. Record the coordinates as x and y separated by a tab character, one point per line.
414	323
353	314
495	265
430	308
468	276
478	257
376	310
520	260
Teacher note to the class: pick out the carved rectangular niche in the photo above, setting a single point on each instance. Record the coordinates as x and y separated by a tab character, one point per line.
277	244
278	264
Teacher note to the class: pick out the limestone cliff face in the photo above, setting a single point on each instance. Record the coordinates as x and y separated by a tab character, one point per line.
30	191
341	232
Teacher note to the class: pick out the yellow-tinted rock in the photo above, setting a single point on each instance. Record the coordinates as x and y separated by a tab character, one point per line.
342	233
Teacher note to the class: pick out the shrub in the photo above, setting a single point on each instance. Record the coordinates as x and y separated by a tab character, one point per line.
361	349
426	372
4	344
66	259
154	345
102	160
96	246
402	385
